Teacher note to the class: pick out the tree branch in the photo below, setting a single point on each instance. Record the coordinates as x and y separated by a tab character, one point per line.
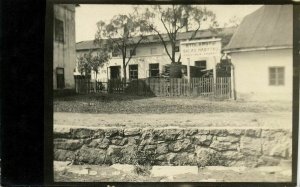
130	55
195	32
164	43
170	36
120	47
179	58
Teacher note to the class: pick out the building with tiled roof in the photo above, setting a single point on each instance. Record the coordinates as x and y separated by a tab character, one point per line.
151	58
262	55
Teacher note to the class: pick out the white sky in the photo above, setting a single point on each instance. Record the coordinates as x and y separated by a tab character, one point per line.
88	15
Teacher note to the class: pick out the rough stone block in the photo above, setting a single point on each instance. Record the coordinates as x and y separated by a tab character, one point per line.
102	143
231	155
151	148
167	134
99	133
185	158
119	141
113	132
63	155
122	154
277	144
223	146
206	156
114	150
91	156
272	134
203	139
180	145
253	132
162	148
281	149
149	141
132	141
132	132
67	144
203	131
219	132
191	132
232	139
94	142
236	132
129	152
81	133
251	146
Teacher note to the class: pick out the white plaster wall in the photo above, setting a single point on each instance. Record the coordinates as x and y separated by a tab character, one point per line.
252	74
143	58
64	54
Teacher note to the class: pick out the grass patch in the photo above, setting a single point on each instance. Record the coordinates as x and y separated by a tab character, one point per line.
128	104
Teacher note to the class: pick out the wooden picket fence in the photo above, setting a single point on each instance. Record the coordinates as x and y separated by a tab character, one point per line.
165	87
87	86
196	87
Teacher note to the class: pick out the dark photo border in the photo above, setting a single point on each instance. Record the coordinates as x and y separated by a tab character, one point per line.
48	103
27	95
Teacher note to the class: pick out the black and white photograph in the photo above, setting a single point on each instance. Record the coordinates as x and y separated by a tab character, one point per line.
172	93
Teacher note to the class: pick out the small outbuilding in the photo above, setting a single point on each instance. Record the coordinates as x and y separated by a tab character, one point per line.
262	56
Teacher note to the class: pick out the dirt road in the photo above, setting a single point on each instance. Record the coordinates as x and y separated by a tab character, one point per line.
236	120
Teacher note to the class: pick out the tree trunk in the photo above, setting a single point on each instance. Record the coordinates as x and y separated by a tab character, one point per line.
173	52
95	87
124	70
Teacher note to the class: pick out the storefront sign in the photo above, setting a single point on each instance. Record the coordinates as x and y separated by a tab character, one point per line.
201	48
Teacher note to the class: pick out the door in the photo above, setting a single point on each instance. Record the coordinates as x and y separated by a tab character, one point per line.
115	72
60	78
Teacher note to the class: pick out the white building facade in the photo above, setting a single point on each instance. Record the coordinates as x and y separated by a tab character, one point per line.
262	55
150	59
64	52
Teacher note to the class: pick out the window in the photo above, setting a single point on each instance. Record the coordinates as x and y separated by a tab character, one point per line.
201	64
176	48
153	70
115	53
155	37
276	76
133	72
60	78
132	52
153	51
59	30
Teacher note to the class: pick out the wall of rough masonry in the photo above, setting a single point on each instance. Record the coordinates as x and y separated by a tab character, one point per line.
176	146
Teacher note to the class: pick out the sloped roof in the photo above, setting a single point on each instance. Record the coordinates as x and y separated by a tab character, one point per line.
269	26
89	44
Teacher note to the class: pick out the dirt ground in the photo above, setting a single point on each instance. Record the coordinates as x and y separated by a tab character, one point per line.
122	104
235	120
206	174
136	111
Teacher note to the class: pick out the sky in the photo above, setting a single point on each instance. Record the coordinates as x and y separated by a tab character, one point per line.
87	16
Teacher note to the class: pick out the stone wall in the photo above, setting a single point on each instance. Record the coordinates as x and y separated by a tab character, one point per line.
174	146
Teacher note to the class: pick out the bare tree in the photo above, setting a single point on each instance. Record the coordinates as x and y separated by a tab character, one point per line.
174	18
122	33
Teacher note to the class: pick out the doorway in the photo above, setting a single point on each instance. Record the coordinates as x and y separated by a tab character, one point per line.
115	72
